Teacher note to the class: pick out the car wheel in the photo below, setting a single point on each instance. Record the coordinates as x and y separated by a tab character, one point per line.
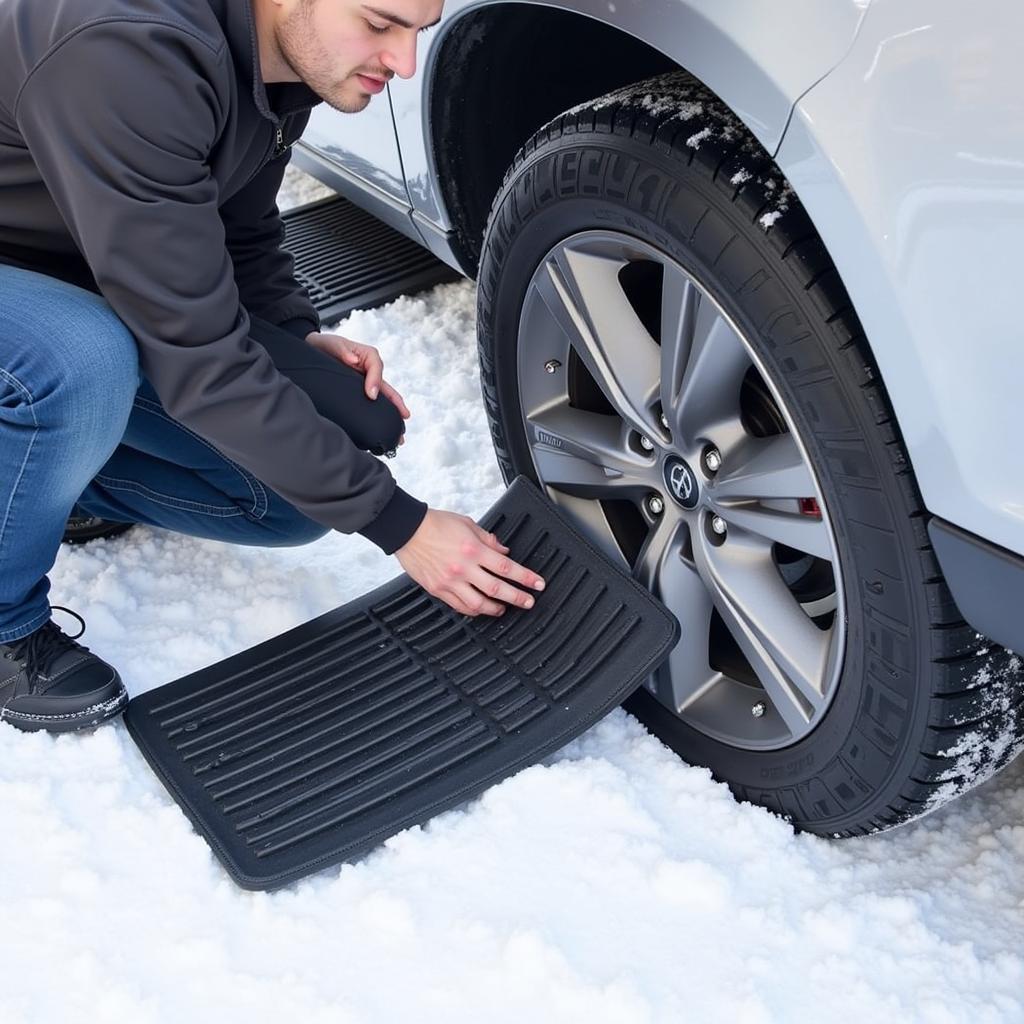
667	349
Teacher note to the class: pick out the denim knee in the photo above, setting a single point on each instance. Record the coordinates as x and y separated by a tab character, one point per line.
306	533
77	361
287	527
100	379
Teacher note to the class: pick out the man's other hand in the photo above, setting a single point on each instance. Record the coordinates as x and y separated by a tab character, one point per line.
460	563
367	361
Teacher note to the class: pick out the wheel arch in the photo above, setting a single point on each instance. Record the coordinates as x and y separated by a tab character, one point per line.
474	84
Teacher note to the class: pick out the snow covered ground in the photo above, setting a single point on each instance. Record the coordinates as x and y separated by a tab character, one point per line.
611	883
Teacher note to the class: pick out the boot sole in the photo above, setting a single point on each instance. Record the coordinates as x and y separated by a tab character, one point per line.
83	536
90	716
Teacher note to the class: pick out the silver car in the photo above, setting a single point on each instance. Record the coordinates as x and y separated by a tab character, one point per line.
748	309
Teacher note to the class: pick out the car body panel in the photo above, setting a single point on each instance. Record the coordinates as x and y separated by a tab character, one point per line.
909	158
365	147
741	49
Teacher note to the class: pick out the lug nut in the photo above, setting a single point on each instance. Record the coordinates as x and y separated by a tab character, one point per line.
758	709
551	365
655	505
713	460
718	526
646	443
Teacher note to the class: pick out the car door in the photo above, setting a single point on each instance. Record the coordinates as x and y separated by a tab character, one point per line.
358	156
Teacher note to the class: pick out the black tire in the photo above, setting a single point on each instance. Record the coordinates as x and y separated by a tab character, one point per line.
926	708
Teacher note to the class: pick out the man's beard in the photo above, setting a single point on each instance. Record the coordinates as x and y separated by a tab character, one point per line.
303	53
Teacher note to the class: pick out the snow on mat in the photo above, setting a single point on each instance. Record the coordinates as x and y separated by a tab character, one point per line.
316	745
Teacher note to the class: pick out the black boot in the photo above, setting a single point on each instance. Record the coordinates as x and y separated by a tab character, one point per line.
48	681
81	529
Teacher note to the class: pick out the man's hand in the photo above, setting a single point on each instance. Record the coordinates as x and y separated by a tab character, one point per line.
364	358
453	559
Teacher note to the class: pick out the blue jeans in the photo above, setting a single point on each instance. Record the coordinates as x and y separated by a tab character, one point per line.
81	427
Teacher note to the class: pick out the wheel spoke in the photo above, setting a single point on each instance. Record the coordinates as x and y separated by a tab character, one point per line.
660	552
585	454
708	396
760	468
680	299
769	470
786	650
686	675
582	292
803	532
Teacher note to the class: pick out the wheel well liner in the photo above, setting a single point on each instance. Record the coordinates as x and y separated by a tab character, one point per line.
482	89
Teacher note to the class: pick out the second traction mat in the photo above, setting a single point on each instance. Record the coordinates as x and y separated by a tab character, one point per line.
316	745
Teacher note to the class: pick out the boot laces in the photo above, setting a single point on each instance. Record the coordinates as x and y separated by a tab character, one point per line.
39	650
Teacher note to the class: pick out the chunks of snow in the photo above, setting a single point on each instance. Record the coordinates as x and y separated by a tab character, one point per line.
697	138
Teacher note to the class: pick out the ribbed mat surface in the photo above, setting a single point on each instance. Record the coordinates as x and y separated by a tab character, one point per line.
318	744
347	259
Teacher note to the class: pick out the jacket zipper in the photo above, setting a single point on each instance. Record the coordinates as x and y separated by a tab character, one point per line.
277	147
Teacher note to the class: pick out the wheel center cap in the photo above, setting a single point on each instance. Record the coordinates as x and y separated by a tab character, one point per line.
681	482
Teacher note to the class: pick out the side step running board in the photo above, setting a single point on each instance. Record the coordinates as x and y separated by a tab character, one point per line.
347	259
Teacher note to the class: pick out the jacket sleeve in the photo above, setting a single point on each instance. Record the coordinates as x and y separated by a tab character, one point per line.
121	118
264	270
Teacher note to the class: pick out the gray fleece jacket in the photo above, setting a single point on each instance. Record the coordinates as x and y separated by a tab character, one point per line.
140	156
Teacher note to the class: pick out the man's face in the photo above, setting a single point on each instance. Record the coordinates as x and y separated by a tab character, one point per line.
346	50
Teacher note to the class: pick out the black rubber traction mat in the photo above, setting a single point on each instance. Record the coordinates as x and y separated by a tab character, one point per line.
347	259
317	745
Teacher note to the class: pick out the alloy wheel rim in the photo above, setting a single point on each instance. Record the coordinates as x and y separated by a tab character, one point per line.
652	423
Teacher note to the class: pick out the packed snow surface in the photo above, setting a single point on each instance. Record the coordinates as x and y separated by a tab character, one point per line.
610	883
